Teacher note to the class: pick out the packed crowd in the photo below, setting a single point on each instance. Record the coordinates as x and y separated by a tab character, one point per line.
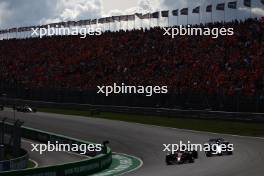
227	64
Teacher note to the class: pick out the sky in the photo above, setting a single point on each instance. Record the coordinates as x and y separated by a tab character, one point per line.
17	13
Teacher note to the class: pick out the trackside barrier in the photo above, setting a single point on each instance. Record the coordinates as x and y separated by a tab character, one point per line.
207	114
80	168
16	163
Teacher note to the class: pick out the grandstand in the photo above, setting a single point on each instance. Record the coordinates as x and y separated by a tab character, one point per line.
225	73
196	69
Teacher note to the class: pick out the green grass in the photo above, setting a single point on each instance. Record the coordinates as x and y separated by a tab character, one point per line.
212	125
30	164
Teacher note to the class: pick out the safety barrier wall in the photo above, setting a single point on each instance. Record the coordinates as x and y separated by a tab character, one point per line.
207	114
15	163
97	163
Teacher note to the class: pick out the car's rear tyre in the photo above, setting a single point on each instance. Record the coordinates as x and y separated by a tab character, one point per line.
208	154
191	161
168	163
195	154
220	154
230	153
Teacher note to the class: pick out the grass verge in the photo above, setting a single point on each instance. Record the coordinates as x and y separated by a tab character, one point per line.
30	164
212	125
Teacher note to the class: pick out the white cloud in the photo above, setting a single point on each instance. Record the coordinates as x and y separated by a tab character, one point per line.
15	13
172	4
115	12
33	12
80	9
4	12
145	5
259	12
75	10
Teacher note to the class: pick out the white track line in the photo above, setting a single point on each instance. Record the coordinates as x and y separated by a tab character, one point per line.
35	162
136	168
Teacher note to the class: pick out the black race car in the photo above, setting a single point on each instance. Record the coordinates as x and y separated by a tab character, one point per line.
181	157
218	147
1	107
24	109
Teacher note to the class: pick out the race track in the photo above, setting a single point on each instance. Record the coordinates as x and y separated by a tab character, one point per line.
50	158
146	142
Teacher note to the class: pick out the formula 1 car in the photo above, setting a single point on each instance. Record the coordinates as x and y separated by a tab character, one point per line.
181	157
218	147
25	109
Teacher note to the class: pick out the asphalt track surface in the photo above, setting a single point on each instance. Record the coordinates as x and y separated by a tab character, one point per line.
49	158
146	142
